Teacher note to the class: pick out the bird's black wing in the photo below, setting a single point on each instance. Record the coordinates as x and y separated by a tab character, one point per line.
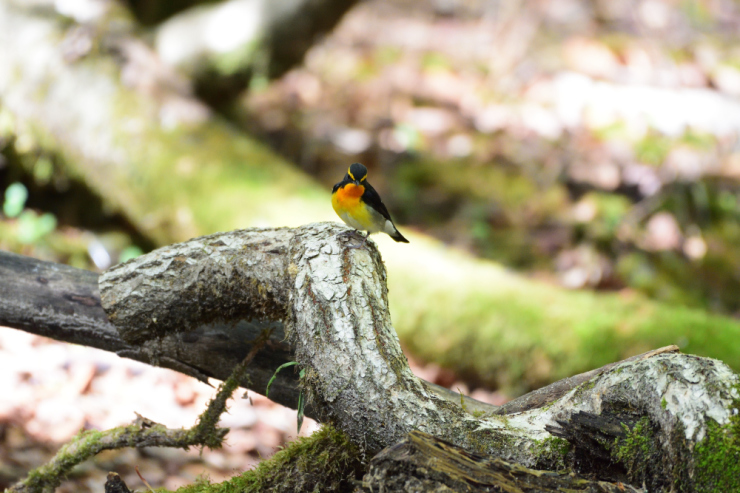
371	198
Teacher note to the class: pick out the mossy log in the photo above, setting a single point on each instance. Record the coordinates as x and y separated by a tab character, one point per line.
116	117
329	290
268	40
665	419
96	97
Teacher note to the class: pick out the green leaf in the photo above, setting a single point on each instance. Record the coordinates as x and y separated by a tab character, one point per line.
32	227
15	199
274	375
131	251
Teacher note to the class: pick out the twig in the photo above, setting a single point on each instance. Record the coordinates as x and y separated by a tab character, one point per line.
142	432
143	480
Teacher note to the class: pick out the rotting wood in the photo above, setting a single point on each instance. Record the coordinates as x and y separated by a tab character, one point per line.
422	462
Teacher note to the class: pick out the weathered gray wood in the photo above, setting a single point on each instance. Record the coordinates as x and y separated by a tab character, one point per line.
256	275
242	275
330	291
554	391
63	303
424	463
56	301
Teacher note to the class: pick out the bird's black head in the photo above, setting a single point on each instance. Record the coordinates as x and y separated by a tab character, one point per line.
357	172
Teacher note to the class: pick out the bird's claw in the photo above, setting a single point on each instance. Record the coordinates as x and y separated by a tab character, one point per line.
354	233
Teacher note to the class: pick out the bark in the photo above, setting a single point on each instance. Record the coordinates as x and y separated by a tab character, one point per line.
63	303
664	418
424	463
330	292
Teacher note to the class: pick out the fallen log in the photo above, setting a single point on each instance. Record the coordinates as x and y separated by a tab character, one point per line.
640	421
666	420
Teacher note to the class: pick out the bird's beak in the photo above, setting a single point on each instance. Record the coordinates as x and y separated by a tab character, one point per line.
357	182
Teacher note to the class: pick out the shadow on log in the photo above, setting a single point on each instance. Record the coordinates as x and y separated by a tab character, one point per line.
664	419
424	463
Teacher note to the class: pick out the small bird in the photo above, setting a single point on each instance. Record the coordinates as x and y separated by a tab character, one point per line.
359	205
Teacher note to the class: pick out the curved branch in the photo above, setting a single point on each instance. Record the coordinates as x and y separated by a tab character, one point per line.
63	303
330	292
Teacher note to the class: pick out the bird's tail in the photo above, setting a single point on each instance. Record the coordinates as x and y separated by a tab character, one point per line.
398	236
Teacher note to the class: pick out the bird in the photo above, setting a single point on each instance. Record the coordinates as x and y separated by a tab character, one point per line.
358	204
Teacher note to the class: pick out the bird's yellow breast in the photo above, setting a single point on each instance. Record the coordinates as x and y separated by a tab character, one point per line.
348	206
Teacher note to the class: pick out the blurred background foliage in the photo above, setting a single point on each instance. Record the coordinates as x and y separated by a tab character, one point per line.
568	172
589	146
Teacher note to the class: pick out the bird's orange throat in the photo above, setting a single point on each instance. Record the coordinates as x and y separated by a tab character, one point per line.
349	194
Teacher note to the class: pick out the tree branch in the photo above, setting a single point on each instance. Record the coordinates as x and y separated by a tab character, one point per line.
63	303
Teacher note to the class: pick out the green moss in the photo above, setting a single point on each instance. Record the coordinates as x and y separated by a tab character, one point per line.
663	403
80	448
325	461
636	450
717	456
486	442
552	453
197	178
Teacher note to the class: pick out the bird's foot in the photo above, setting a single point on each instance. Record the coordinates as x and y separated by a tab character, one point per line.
355	233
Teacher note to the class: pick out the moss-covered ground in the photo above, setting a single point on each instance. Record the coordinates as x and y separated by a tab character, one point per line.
324	462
